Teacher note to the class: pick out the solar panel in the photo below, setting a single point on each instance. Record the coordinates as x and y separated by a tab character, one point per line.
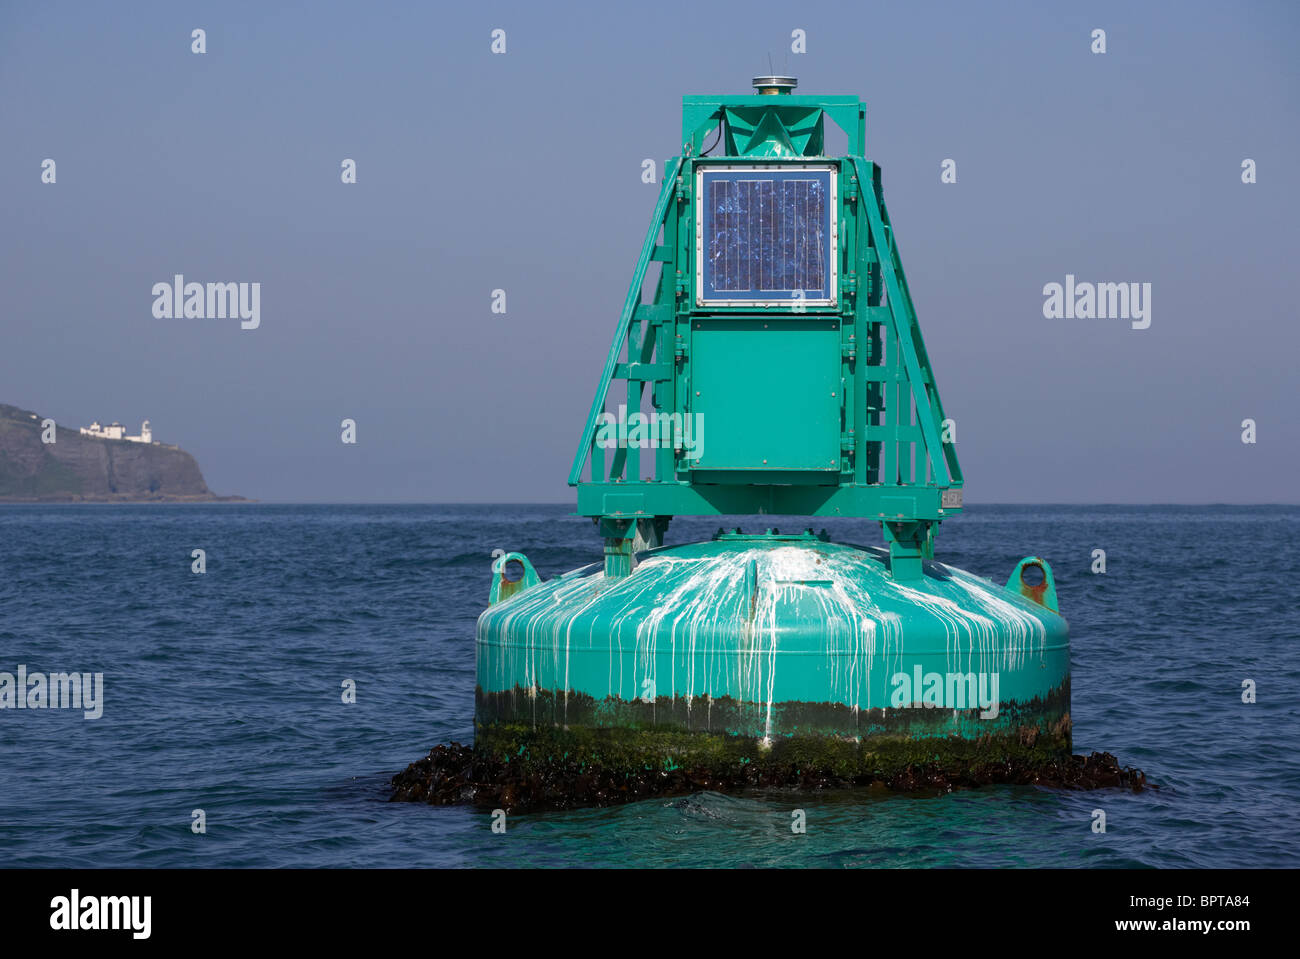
766	235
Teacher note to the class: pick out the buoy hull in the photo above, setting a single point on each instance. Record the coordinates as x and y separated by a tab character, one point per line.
761	647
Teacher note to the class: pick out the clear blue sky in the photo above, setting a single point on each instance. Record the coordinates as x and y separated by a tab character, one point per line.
522	172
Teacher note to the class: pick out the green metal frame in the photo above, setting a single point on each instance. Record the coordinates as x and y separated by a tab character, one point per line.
893	465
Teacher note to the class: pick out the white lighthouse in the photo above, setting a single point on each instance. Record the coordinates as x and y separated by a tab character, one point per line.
116	431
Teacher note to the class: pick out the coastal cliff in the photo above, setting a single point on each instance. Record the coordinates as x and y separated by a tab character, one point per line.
77	468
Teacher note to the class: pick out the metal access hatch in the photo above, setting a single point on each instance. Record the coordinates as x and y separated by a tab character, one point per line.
768	393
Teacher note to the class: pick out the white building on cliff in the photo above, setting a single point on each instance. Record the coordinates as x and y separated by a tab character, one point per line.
116	431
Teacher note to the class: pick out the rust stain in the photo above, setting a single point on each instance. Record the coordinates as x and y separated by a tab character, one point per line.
1036	592
509	587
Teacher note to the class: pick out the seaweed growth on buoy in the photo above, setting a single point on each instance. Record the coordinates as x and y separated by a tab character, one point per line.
455	774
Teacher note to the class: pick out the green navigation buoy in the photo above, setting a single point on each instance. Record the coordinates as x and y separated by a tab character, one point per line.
773	364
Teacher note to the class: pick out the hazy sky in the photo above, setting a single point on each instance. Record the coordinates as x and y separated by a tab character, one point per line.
522	171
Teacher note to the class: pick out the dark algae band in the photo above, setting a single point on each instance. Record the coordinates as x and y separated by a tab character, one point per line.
522	768
573	709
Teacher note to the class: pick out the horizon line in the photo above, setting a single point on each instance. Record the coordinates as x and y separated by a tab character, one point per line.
287	502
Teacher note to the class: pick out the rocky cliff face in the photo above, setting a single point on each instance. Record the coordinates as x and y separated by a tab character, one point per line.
84	468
